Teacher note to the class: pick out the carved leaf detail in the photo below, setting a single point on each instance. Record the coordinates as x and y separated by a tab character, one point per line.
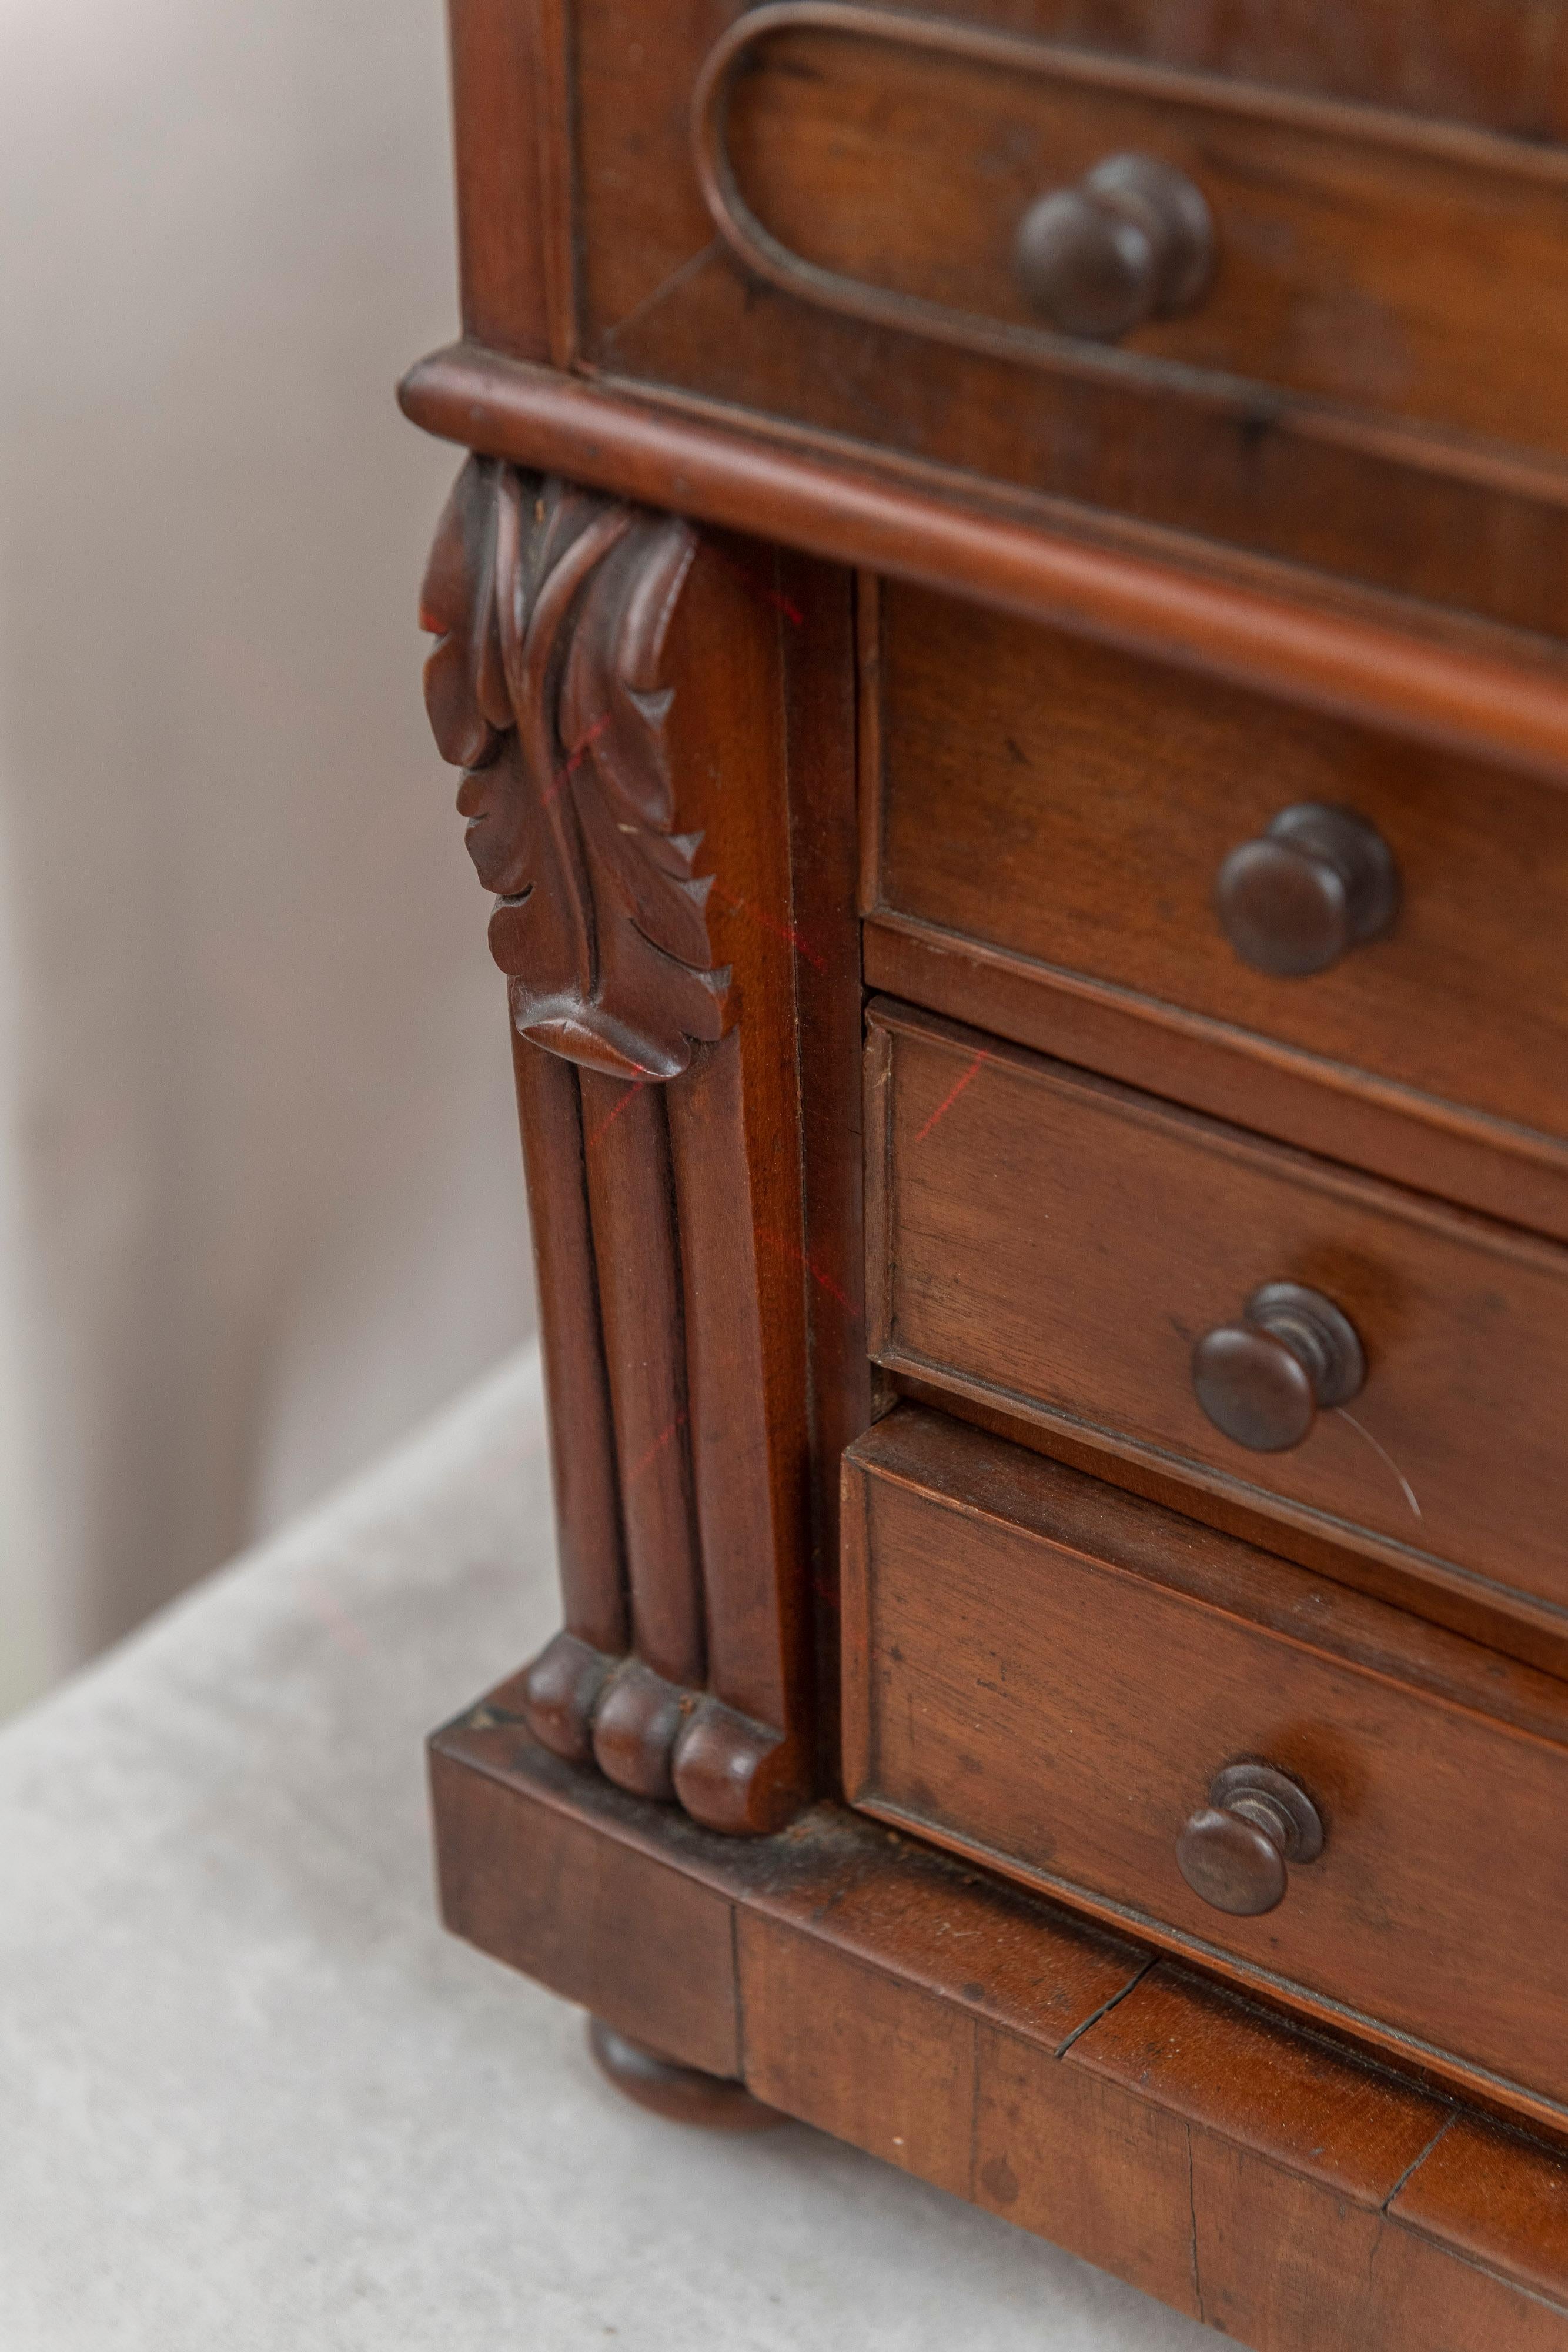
551	606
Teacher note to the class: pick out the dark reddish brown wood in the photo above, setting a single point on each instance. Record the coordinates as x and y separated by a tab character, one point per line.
818	608
1029	1260
1238	1074
1220	2158
1481	693
1132	240
565	627
498	94
1102	797
1291	1355
1130	791
583	1443
737	1126
1281	2094
1319	881
1055	1674
635	1241
681	2095
638	1717
623	1930
748	1517
1495	2198
1461	1611
868	739
891	171
551	609
665	306
1236	1849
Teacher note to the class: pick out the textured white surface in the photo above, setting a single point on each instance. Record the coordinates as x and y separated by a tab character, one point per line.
251	2097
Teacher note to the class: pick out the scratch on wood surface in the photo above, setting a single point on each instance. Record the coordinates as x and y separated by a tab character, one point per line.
1382	1451
667	286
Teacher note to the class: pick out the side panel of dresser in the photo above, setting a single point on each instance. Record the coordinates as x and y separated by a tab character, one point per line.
620	695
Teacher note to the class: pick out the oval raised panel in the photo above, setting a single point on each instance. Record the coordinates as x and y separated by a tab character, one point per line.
1379	268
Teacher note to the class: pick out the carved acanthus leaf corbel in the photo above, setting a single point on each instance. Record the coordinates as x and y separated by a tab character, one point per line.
552	605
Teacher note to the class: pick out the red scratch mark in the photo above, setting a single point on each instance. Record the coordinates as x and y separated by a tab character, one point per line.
948	1101
797	1256
609	1119
784	932
558	781
657	1447
768	596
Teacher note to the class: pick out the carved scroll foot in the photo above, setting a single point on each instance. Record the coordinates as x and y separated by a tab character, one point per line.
681	2095
734	1775
560	1691
655	1739
639	1720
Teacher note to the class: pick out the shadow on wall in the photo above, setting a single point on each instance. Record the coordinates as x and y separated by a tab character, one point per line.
259	1198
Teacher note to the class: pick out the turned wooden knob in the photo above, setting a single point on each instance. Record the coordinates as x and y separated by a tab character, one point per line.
1133	241
1235	1851
1262	1380
1320	882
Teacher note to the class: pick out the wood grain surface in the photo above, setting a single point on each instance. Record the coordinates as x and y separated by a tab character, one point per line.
1381	262
1045	1673
1074	805
1269	2183
1059	1244
664	303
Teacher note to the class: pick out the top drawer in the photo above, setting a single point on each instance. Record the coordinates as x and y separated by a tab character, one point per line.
971	188
1318	328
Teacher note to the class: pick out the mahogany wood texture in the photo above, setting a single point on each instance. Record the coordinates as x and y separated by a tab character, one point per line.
681	2095
1272	2183
1371	259
618	694
1043	1671
823	534
1059	1246
1466	1611
1069	808
665	302
1494	692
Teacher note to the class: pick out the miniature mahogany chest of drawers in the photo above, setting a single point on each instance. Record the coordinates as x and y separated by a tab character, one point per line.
1004	624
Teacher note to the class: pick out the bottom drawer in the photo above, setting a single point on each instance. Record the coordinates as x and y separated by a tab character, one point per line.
1051	1675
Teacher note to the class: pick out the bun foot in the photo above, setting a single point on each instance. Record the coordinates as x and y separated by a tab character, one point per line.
681	2095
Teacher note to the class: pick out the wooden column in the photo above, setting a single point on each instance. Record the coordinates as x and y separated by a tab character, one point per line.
618	692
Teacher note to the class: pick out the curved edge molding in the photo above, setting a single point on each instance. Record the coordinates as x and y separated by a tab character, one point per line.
1484	692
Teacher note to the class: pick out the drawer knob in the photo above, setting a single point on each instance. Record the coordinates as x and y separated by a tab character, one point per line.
1264	1380
1321	881
1133	241
1234	1851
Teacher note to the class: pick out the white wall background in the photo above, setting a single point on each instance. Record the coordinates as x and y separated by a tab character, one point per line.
260	1200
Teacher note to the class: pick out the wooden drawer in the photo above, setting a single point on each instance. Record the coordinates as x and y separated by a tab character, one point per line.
1073	807
1059	1246
809	211
1048	1675
1390	266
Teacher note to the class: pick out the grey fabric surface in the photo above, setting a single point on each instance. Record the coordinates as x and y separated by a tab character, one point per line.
252	2096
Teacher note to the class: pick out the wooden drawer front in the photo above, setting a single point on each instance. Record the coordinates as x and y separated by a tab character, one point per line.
1059	1244
1390	267
1074	805
831	249
1047	1674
